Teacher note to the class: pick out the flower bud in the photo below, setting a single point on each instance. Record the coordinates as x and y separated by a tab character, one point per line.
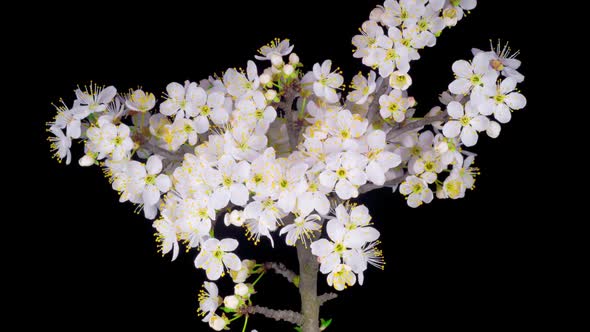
241	289
86	161
270	94
265	78
288	70
217	323
235	218
276	60
293	59
231	302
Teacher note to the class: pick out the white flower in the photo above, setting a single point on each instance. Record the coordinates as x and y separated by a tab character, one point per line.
380	160
140	101
70	119
427	166
228	182
238	84
429	25
209	300
393	106
215	255
243	144
417	191
341	277
363	88
218	323
291	183
146	180
371	39
167	236
345	173
182	100
402	11
236	218
503	61
400	80
494	129
231	302
453	188
315	198
242	290
95	99
60	144
472	75
464	122
255	110
347	126
107	139
276	47
325	82
263	217
342	238
499	100
242	274
359	259
302	228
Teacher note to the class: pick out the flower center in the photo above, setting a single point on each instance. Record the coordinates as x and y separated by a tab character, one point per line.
499	98
284	183
227	181
429	166
497	64
259	114
257	178
341	173
118	140
150	179
205	110
453	188
476	80
339	248
218	254
465	120
417	188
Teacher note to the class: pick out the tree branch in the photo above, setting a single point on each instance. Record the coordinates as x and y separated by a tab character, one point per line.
286	315
287	106
416	125
326	297
281	269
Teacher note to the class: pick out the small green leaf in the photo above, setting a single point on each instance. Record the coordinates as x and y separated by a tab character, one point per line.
227	310
325	323
298	329
296	281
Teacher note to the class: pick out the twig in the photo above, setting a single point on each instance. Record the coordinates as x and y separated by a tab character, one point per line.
326	297
281	269
382	88
286	315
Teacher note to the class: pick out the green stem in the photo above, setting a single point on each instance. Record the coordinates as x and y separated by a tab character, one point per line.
258	279
245	323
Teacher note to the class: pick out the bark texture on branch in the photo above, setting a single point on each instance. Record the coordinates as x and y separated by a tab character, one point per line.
286	315
308	289
282	270
326	297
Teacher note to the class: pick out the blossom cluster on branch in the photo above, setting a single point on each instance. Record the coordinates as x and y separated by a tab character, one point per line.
282	151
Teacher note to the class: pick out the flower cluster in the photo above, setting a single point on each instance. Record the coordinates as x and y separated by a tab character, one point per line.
281	151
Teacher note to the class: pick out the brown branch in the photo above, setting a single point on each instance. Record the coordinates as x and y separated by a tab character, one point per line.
281	269
373	109
286	315
326	297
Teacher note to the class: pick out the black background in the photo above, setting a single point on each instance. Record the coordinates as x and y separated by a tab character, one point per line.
467	265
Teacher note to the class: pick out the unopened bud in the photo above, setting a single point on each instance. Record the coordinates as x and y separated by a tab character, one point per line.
231	302
293	59
270	94
288	70
86	161
265	78
241	289
276	60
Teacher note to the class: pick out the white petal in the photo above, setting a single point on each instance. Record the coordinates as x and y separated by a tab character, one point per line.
376	140
502	113
328	178
175	91
150	195
228	244
153	165
460	86
468	136
336	230
214	270
163	183
322	247
480	123
345	190
455	110
232	261
322	204
239	194
494	129
507	85
516	101
375	173
452	129
462	68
